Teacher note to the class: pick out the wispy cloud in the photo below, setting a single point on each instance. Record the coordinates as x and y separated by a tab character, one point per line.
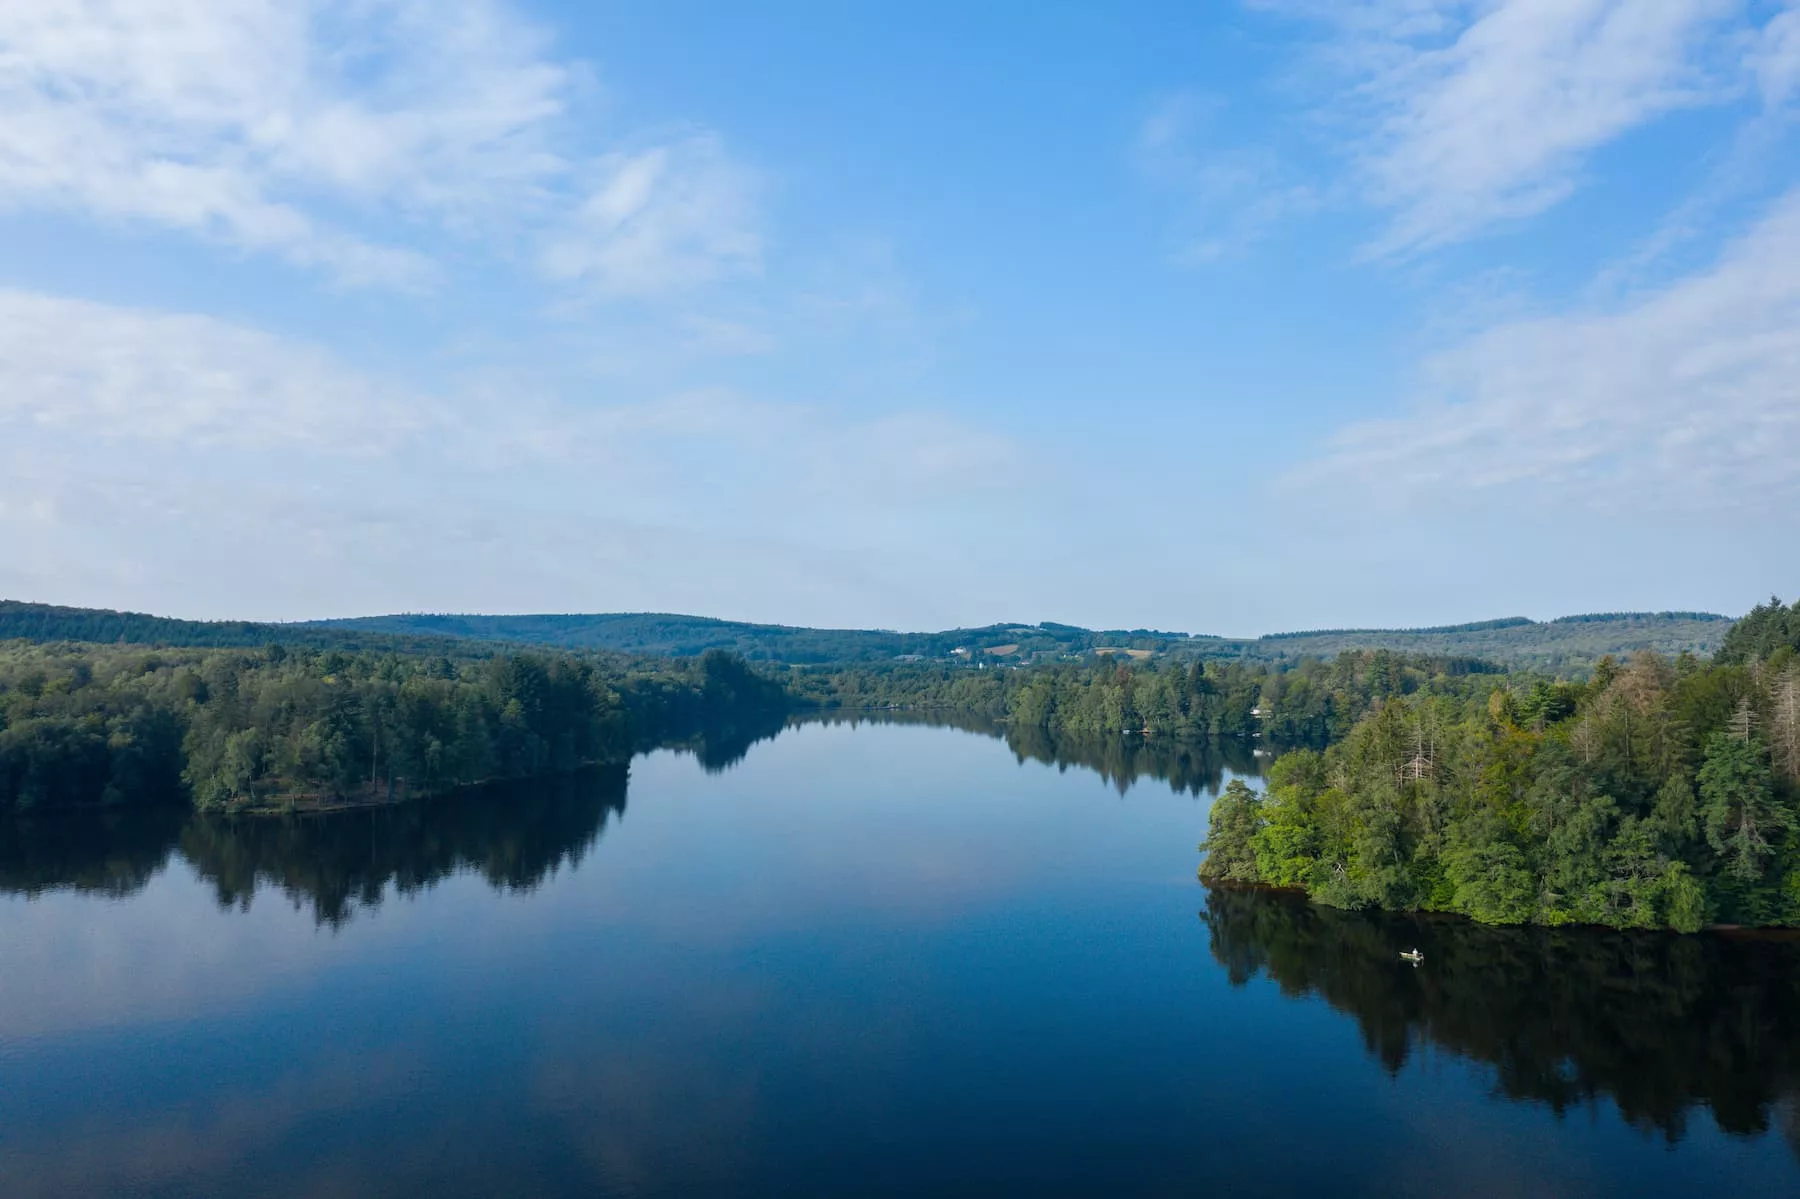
242	122
667	217
337	137
1498	123
1775	56
1686	400
1229	196
1456	117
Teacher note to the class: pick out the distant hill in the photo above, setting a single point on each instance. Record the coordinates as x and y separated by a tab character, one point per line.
1570	643
50	622
667	634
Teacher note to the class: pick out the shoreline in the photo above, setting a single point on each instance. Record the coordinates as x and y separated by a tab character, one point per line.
1739	932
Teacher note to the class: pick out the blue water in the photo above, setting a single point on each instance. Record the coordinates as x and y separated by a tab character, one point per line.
872	960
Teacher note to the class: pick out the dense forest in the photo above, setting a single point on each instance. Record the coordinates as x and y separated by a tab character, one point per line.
1767	630
1657	793
44	623
86	725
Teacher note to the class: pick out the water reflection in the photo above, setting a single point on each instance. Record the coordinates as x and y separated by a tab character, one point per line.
719	745
514	835
1659	1024
1191	767
112	852
894	956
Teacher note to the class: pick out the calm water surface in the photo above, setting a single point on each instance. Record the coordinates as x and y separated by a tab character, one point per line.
883	959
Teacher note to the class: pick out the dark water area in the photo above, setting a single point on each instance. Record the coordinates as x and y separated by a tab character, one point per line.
843	958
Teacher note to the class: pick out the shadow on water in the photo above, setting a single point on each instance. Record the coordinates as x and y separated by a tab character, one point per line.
514	835
1659	1024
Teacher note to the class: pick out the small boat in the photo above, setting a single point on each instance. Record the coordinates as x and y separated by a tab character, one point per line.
1412	955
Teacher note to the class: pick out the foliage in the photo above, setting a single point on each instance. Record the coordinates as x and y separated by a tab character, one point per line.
1768	629
1648	797
1306	701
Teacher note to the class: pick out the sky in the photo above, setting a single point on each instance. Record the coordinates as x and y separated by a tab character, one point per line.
1231	317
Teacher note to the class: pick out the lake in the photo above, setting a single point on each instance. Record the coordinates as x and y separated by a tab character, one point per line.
851	959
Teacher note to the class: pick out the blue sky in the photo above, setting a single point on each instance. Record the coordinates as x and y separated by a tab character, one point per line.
1230	317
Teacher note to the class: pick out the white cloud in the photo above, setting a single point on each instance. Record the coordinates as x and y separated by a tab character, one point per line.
1497	123
1460	115
1686	400
241	120
664	218
333	135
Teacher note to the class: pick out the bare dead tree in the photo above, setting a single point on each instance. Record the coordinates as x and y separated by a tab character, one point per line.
1423	762
1585	738
1743	722
1784	730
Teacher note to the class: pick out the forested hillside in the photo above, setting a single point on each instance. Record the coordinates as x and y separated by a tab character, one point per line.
666	634
21	621
1572	643
1567	643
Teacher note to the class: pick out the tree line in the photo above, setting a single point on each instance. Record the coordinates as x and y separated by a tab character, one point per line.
1311	700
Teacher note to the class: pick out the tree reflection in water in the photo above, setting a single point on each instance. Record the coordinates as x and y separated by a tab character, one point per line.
111	852
1658	1023
514	835
1193	767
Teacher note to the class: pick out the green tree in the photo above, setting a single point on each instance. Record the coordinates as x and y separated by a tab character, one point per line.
1230	845
1738	804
